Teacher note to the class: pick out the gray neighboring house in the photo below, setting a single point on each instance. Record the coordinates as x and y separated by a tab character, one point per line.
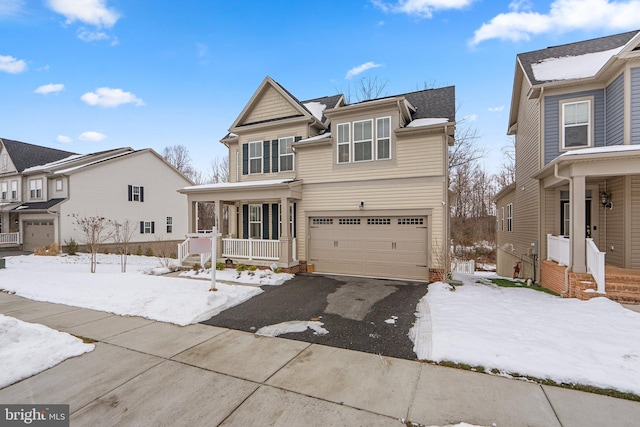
42	188
572	217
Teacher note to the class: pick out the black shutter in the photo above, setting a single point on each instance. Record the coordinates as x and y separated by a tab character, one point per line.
275	217
141	194
295	219
297	138
245	221
245	159
265	156
274	155
141	227
130	192
265	221
153	227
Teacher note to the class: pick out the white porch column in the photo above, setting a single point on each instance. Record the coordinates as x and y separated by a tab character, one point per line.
218	220
578	226
285	238
191	215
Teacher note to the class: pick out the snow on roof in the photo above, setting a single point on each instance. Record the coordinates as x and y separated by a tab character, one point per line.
54	164
316	109
572	67
83	165
232	185
316	138
427	122
601	150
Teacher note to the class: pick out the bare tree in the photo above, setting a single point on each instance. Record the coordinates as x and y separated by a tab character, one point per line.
122	234
364	89
219	170
95	231
507	173
178	156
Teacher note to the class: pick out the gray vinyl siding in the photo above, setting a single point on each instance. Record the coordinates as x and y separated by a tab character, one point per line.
552	121
614	95
635	106
634	262
614	223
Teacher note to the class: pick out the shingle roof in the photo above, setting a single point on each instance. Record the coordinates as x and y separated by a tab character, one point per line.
25	155
35	206
572	49
434	103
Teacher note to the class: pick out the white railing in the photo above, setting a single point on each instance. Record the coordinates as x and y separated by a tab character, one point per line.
595	264
464	267
10	238
559	249
251	249
183	251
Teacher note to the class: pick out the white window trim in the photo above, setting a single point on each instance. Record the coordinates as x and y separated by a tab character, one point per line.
4	191
502	220
59	184
510	217
259	221
290	220
14	190
147	227
5	163
347	143
291	154
564	103
378	138
35	185
260	157
169	224
135	193
363	141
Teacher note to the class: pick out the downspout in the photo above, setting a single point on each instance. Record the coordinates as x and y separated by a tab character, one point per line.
566	270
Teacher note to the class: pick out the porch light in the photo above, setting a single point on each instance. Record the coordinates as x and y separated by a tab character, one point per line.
605	200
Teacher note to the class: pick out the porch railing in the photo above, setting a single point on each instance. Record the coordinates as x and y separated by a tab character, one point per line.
251	249
559	249
595	264
464	267
184	250
10	238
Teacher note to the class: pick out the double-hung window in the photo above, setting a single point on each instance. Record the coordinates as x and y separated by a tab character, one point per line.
169	224
363	141
136	193
255	221
344	143
35	188
255	157
576	124
14	190
502	220
285	154
4	194
510	217
383	138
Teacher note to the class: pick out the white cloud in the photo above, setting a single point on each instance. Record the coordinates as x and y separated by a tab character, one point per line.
361	69
63	139
92	136
9	64
420	8
92	12
50	88
470	118
11	7
109	98
496	109
563	16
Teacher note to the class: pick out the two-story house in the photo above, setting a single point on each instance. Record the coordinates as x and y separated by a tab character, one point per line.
46	188
356	189
572	217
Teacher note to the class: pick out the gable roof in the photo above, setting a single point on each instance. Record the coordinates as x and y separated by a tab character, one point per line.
609	46
25	155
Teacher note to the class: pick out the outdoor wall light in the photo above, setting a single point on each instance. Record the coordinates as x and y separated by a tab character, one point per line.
361	204
605	200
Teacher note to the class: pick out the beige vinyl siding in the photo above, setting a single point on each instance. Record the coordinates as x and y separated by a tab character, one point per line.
634	262
103	190
270	105
614	223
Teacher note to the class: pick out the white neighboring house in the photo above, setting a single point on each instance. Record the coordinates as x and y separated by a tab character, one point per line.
47	187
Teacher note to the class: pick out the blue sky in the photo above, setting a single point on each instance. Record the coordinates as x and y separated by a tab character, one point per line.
88	75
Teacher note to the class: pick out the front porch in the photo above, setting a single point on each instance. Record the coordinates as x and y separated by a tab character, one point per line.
10	240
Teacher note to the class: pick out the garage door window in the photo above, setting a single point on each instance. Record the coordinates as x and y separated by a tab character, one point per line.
410	221
322	221
349	221
378	221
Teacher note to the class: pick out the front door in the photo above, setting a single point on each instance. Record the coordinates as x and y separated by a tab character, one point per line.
566	218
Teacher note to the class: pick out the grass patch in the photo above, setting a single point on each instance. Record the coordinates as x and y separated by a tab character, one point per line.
506	283
86	340
579	387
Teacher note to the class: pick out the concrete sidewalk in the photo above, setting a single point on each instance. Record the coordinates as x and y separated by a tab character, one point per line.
150	373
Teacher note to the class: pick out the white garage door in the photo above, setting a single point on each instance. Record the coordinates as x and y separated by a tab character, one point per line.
370	246
37	233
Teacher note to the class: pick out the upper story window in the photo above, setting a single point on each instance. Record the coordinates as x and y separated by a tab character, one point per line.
4	163
344	142
14	190
58	185
4	192
169	224
255	157
576	124
285	154
362	141
35	188
136	193
383	138
510	217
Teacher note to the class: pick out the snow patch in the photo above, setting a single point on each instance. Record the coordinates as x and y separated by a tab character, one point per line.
572	67
427	122
258	277
293	326
316	108
391	321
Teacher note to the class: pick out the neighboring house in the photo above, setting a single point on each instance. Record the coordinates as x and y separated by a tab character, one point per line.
355	189
45	188
575	113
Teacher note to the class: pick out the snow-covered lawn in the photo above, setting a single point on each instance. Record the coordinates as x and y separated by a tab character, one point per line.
521	331
258	277
67	280
28	348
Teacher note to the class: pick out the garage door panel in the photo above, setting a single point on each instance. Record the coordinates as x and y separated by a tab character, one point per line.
37	233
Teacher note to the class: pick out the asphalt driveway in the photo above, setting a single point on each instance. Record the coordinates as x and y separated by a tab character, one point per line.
353	310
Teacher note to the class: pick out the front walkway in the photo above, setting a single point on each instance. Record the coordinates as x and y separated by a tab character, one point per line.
144	372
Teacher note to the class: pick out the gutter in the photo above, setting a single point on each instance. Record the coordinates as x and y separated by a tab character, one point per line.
566	270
